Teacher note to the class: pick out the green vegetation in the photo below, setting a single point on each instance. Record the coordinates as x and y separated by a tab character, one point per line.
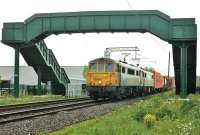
149	120
85	71
167	117
6	100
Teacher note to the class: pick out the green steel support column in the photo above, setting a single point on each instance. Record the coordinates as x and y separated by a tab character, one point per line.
39	80
16	73
66	91
183	70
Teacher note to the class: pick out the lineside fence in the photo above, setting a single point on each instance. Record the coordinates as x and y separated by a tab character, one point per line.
73	90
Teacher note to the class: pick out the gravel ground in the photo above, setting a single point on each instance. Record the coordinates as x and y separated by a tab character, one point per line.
54	122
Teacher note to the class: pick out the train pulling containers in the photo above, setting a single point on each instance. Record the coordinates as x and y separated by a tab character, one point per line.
108	78
159	80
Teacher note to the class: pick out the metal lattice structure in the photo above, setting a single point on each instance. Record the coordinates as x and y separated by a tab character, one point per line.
180	32
110	50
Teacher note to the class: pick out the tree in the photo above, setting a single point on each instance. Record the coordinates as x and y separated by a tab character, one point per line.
0	82
85	71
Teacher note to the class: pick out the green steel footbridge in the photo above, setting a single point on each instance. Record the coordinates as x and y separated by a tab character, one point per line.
28	37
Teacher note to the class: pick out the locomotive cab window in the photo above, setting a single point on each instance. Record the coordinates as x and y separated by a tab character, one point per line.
117	68
109	67
93	67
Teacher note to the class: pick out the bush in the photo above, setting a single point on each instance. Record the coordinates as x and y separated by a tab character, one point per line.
195	112
141	111
187	106
139	115
163	112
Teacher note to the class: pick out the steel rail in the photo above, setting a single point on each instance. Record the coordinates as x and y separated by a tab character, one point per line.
44	108
37	104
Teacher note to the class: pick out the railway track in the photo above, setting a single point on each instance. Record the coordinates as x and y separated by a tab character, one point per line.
13	113
37	104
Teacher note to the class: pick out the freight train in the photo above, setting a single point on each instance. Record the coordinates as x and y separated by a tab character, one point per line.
108	78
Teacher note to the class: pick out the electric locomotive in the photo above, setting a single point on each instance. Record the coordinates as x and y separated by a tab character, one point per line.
108	78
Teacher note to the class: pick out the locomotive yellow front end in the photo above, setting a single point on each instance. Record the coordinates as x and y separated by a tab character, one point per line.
102	78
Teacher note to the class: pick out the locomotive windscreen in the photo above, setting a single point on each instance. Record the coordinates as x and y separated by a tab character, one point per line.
93	67
101	67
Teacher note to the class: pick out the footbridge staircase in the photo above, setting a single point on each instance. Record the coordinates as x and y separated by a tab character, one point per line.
46	66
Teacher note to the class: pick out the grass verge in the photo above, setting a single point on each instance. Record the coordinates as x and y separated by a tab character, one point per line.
170	117
6	100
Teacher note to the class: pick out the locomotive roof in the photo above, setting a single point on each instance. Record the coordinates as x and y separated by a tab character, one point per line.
119	62
133	67
103	58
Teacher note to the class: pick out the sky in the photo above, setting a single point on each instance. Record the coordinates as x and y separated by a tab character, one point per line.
78	49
